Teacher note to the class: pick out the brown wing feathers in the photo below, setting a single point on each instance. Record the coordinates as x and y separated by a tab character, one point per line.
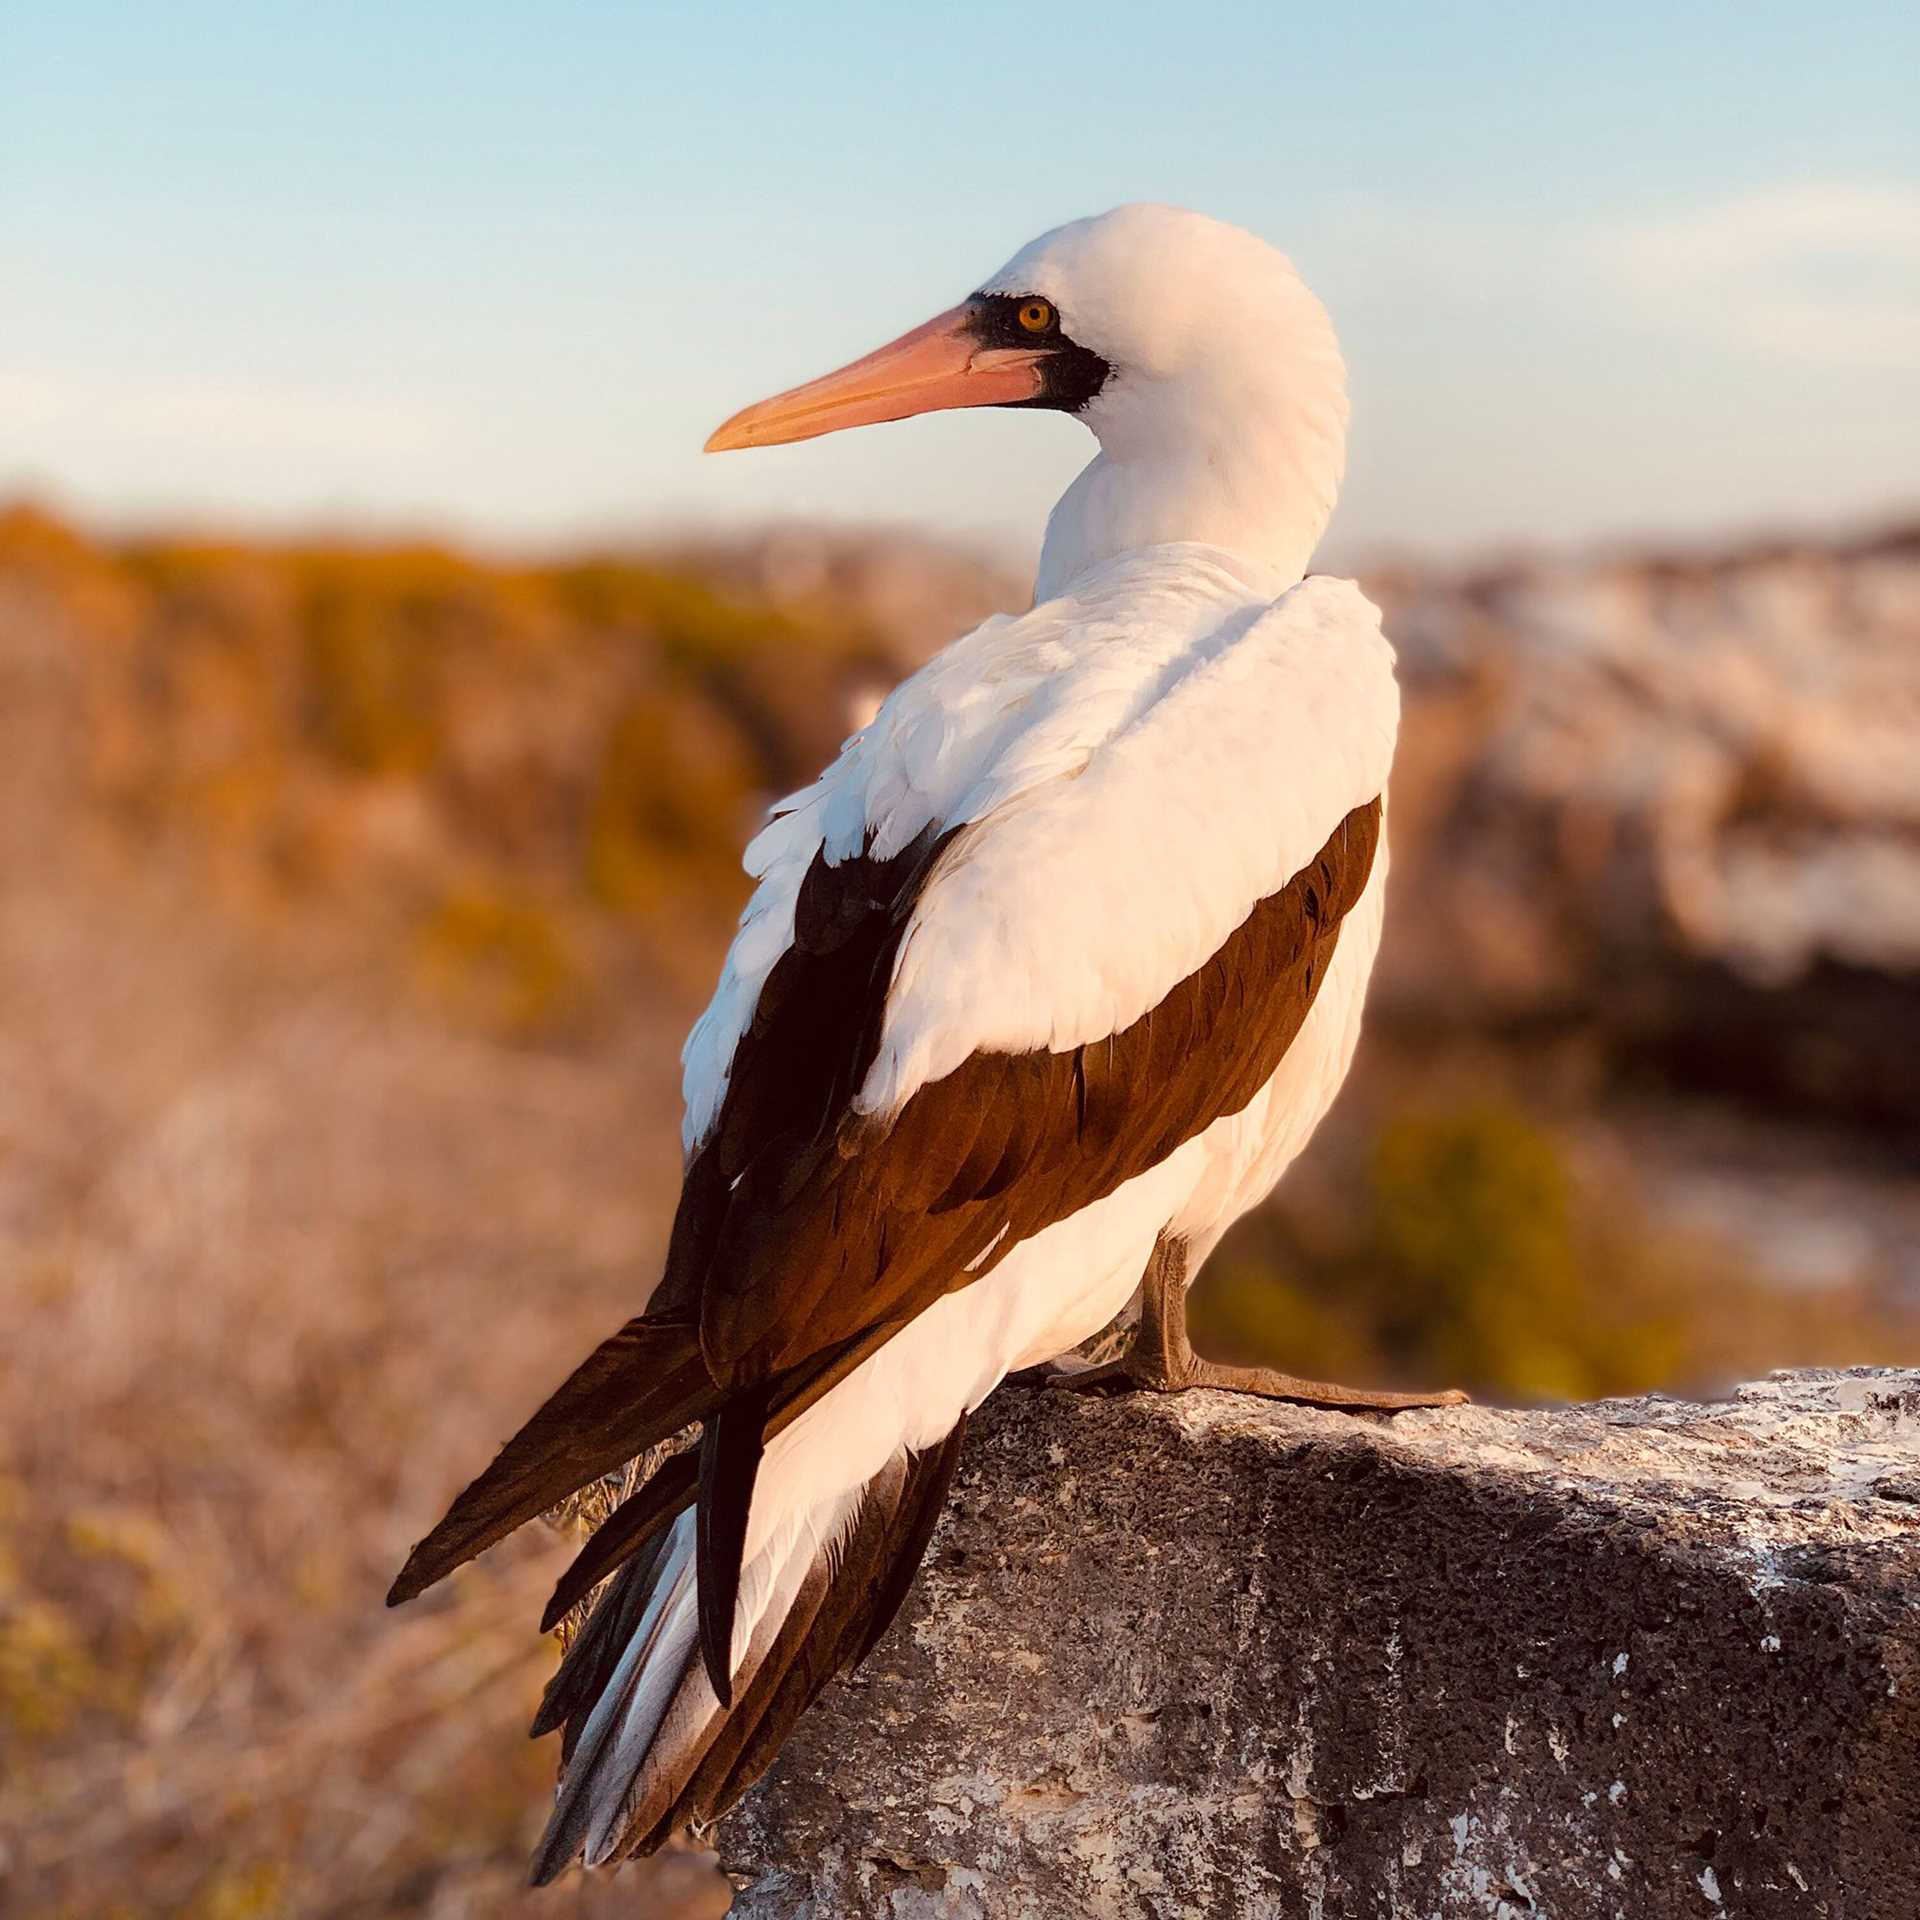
815	1029
807	1235
631	1392
815	1246
903	1211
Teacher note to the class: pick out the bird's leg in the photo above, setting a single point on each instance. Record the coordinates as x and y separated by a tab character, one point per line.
1160	1359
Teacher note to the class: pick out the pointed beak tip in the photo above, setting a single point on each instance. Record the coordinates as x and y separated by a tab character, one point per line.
726	439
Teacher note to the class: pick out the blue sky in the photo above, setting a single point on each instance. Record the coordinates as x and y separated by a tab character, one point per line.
1600	272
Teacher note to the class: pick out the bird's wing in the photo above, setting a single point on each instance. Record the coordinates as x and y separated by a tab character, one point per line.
997	1000
1064	904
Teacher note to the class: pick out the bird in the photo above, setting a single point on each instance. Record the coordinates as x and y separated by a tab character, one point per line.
1043	983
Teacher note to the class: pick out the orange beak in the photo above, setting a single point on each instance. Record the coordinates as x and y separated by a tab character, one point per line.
937	366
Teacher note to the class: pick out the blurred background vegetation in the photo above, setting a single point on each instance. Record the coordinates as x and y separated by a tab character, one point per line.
358	898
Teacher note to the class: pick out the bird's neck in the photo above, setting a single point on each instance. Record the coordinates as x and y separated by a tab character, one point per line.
1261	490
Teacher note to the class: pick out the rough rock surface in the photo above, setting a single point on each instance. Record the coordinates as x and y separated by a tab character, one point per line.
1209	1657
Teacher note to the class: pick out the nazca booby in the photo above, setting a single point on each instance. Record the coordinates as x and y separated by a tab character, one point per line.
1043	983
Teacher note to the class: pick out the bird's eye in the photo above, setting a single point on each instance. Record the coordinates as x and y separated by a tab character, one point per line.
1036	316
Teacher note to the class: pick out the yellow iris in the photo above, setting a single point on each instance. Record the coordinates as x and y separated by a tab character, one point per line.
1036	316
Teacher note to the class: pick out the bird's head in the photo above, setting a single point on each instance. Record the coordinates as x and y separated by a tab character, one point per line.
1193	350
1127	320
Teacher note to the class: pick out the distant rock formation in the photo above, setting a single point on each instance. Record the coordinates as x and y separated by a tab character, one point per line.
1679	801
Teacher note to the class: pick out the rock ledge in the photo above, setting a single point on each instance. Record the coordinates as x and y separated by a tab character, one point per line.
1208	1657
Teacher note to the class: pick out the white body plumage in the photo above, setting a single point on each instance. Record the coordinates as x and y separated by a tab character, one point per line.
1141	759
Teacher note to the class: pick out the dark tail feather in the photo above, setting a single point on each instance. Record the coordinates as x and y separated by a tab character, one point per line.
634	1390
730	1448
701	1757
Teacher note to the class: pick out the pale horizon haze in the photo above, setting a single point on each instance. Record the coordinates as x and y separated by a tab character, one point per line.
495	272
